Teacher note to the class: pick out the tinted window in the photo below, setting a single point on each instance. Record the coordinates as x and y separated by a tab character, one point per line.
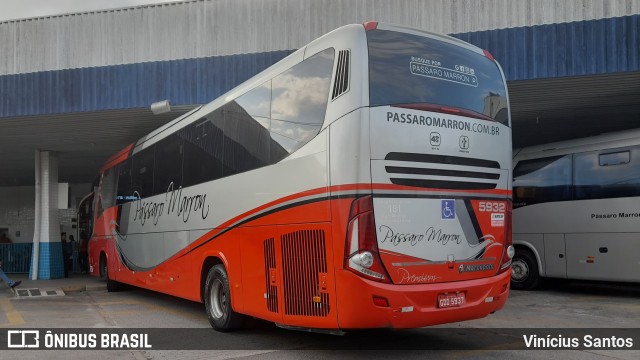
107	190
299	103
542	180
246	141
142	173
125	192
289	137
601	174
406	69
617	158
257	102
203	149
168	172
259	128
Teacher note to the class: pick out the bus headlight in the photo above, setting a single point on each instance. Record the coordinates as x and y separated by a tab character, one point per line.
511	251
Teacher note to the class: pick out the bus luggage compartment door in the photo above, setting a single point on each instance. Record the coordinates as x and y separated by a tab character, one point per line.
603	256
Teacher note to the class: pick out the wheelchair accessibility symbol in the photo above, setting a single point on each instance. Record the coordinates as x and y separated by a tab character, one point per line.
448	209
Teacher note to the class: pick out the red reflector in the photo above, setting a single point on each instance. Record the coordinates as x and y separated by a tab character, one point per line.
370	25
450	110
488	55
380	301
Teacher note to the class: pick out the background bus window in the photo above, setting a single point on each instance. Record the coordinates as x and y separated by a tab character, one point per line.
202	149
168	173
142	172
616	158
599	175
542	180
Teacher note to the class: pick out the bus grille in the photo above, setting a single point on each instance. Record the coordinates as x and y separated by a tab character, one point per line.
304	265
341	82
442	171
270	271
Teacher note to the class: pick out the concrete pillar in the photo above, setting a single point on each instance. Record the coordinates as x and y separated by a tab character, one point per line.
50	263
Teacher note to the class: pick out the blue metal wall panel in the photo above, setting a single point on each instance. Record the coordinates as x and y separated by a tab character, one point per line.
191	81
568	49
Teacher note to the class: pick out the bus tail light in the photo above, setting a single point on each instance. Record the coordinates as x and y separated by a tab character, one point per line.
489	56
509	251
361	254
370	25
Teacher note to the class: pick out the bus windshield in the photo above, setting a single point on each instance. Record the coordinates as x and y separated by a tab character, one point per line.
412	69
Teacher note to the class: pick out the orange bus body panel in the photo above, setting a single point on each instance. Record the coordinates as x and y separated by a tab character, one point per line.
349	298
116	159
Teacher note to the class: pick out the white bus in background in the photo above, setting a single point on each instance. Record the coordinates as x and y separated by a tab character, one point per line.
576	210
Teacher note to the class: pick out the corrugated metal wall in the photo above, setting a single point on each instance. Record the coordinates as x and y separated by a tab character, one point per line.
183	82
570	49
207	28
573	49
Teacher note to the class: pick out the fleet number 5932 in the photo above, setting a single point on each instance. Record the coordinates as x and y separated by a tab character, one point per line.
490	206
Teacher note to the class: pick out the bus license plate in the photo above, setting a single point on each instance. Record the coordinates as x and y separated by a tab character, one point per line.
451	300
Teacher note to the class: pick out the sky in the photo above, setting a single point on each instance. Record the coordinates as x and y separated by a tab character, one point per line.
24	9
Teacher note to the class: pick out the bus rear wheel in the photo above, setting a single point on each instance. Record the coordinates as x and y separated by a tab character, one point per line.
524	271
217	301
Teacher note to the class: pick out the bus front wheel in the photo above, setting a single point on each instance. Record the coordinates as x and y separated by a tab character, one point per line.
112	285
217	301
524	270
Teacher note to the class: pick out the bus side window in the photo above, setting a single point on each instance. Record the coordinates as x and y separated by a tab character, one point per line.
249	114
617	158
299	103
542	180
142	173
599	175
168	170
246	140
124	193
108	190
202	149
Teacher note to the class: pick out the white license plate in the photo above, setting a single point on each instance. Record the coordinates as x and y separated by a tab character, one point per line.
451	300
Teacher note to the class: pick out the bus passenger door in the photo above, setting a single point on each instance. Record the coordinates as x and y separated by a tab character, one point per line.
85	217
555	257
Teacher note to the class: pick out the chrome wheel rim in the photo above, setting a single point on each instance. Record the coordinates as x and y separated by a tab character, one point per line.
219	299
519	270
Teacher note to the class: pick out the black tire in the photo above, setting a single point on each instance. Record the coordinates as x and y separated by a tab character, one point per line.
103	267
525	274
217	301
112	285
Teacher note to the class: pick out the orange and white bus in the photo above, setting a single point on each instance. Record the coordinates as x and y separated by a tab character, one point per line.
363	181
